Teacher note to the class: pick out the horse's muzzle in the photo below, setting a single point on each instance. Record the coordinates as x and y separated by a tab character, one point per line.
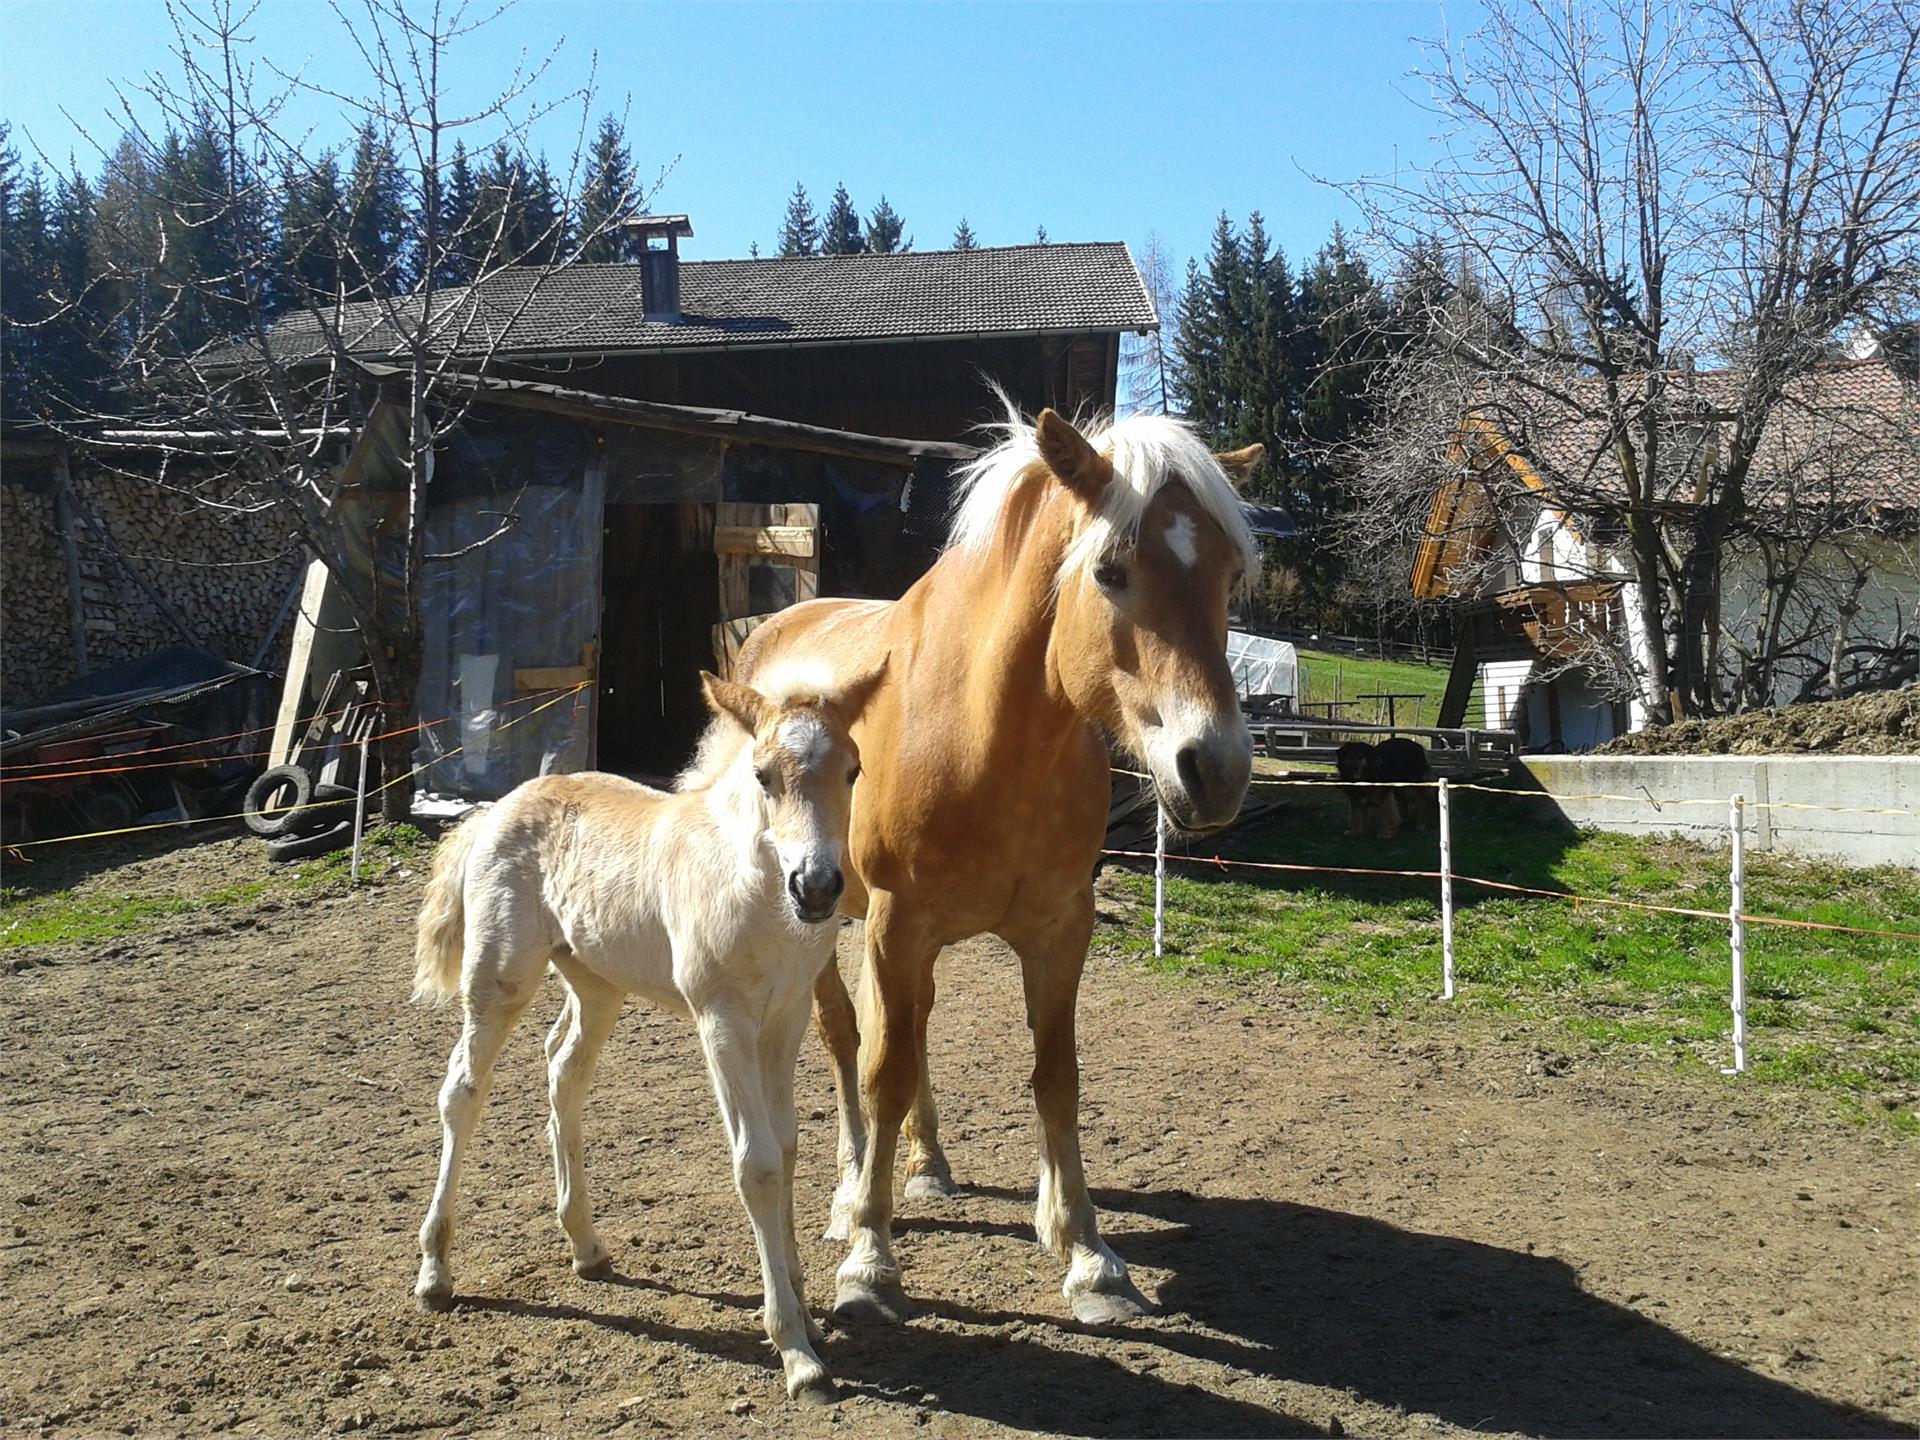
1213	778
815	891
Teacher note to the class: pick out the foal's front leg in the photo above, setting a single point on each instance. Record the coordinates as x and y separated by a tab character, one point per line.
732	1044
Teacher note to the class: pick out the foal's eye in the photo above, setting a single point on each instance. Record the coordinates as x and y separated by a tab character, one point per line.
1110	576
765	776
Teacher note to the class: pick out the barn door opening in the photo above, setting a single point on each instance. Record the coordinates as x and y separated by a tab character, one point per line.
769	558
658	607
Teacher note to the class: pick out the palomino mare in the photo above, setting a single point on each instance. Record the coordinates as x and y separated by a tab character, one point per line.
1084	594
710	901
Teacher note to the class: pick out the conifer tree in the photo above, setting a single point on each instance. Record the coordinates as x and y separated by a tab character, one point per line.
458	241
799	229
306	252
884	230
612	195
840	227
377	218
963	236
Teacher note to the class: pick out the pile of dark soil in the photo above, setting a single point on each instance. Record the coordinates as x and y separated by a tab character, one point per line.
1886	723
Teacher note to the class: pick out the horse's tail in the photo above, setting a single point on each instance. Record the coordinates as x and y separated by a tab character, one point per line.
440	936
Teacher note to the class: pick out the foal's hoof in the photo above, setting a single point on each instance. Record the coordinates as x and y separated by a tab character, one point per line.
600	1268
871	1305
819	1391
931	1187
1113	1306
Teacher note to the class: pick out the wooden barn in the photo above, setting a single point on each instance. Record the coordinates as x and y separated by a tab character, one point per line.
687	447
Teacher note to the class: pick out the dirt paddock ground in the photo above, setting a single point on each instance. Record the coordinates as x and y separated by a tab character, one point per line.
217	1137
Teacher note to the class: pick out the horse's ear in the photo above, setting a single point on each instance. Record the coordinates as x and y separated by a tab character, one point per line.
854	693
1069	456
747	707
1240	464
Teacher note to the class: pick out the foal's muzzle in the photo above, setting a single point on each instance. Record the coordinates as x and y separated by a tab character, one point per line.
815	890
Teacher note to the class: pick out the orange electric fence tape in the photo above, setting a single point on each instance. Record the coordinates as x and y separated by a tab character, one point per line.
212	819
7	778
1722	916
10	773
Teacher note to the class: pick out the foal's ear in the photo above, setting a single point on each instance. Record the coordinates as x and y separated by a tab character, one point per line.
854	693
746	706
1239	464
1069	456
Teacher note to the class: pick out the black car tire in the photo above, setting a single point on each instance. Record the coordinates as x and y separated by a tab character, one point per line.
305	847
269	789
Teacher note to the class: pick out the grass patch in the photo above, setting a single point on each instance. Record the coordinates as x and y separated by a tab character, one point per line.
89	912
1341	677
66	916
1826	1012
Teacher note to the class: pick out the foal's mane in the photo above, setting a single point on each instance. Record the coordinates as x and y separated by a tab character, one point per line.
788	684
1149	452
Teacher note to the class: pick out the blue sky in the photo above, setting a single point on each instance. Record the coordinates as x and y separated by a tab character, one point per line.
1101	122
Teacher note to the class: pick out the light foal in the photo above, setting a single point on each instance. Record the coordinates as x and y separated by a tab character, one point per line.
1084	595
713	902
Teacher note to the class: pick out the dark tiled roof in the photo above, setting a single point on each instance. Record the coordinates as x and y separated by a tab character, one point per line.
921	295
1846	432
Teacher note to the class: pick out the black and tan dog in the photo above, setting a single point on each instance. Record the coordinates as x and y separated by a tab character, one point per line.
1381	812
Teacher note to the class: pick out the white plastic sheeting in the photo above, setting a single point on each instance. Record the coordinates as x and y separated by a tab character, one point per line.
1264	666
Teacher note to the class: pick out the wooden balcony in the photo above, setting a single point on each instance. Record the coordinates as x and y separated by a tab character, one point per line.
1549	620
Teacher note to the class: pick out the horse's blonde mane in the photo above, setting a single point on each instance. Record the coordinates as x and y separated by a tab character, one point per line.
1148	452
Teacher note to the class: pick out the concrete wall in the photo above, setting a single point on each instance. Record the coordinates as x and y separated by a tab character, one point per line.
1870	781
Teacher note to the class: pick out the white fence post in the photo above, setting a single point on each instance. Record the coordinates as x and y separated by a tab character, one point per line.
1159	882
1446	893
1736	824
359	812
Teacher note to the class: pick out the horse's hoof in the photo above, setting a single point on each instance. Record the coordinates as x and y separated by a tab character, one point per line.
598	1269
819	1391
931	1187
435	1298
839	1227
860	1305
1110	1307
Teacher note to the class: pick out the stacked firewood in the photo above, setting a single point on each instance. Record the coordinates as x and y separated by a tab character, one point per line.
155	569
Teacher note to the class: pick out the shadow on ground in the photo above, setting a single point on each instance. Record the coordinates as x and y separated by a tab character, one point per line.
1482	1337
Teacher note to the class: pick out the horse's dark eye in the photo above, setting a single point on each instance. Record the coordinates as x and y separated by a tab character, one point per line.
853	774
765	776
1109	576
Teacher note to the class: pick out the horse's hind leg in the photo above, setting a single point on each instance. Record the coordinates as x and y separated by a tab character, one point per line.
591	1011
1051	959
929	1175
839	1028
495	999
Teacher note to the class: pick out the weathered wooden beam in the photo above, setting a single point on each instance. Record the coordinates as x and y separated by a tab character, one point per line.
763	540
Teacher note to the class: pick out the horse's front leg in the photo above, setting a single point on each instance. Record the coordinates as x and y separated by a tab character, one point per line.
900	956
1052	956
733	1047
929	1175
839	1029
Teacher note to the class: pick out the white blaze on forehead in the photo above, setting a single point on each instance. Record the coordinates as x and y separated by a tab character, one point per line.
1181	535
805	738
